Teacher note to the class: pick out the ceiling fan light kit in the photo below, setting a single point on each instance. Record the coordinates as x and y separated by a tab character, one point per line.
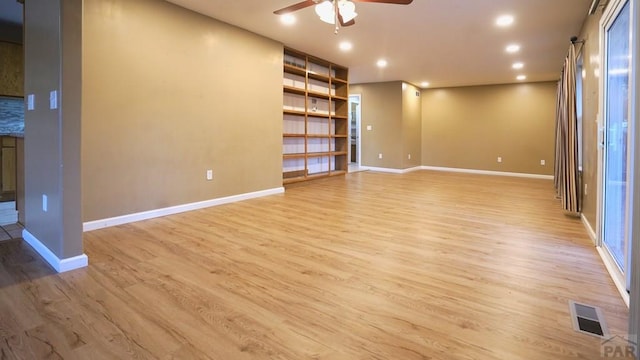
328	12
336	12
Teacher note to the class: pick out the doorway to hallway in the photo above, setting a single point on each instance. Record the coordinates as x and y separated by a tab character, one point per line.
355	146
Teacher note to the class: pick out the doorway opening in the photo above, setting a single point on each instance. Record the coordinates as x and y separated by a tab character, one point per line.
355	146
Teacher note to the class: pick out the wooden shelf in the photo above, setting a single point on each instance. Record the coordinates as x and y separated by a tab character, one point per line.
294	90
321	77
318	115
316	132
294	112
294	156
295	70
318	154
319	95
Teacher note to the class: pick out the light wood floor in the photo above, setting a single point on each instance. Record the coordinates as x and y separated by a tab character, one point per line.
425	265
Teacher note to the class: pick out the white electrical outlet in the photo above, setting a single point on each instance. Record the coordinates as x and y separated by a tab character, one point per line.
209	174
380	156
542	162
585	189
409	157
45	204
499	159
369	127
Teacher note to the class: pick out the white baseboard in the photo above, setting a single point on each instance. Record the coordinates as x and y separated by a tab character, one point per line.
390	170
125	219
487	172
60	265
590	231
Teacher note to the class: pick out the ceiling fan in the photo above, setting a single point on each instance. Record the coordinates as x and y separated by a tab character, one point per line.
338	12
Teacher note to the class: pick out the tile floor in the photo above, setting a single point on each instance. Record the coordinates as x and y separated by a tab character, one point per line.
10	232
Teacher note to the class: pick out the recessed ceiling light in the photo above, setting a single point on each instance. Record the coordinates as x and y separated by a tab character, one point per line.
513	48
382	63
504	20
517	65
521	77
288	19
345	46
424	84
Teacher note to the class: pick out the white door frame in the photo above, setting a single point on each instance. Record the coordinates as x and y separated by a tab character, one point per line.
610	14
356	98
634	309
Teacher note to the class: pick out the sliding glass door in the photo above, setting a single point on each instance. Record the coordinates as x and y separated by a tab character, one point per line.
617	137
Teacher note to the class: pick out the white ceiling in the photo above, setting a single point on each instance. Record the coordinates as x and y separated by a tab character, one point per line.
444	42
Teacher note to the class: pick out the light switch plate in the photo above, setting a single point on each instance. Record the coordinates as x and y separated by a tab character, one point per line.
53	99
31	100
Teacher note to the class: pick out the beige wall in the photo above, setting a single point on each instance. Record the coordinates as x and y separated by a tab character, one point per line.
11	69
168	94
393	110
590	101
52	136
470	127
411	126
382	105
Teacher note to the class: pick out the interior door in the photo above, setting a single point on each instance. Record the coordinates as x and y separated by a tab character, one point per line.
617	140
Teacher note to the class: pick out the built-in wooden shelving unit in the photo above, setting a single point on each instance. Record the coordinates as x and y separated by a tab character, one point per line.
315	117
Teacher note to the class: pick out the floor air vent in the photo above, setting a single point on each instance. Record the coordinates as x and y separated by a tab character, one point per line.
588	319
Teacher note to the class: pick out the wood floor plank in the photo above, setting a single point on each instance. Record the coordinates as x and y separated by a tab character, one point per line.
424	265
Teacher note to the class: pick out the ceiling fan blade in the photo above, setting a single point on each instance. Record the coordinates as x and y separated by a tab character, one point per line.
295	7
396	2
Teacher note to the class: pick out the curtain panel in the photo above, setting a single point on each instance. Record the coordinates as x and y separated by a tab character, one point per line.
566	176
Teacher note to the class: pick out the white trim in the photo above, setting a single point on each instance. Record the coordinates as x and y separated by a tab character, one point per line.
390	170
590	231
358	128
487	172
609	16
634	311
60	265
614	273
145	215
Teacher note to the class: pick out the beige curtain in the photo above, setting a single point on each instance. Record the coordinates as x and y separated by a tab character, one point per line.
566	179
